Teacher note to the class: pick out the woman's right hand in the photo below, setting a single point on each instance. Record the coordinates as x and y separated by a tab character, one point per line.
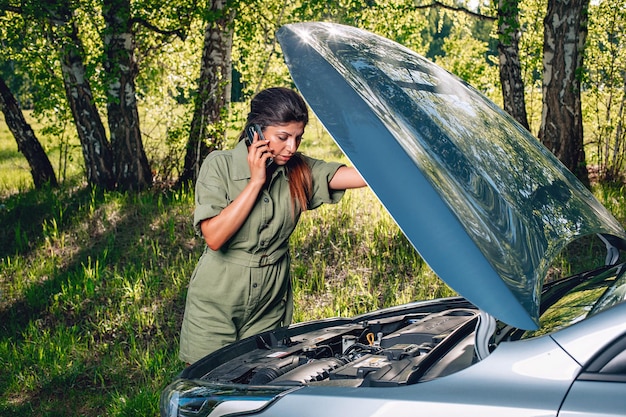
258	154
219	229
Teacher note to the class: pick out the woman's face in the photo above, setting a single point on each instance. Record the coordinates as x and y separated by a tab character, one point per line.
284	140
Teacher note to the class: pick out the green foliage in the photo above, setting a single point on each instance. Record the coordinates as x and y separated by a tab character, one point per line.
169	61
605	97
613	196
531	56
168	66
42	89
436	32
256	54
464	56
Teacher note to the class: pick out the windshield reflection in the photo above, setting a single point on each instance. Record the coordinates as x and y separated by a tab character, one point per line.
589	297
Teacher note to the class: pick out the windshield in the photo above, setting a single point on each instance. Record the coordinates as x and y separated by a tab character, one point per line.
580	297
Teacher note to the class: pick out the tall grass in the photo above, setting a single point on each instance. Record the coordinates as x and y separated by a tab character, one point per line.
351	258
92	285
91	302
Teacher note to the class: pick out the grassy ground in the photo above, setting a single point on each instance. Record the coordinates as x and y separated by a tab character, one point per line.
92	285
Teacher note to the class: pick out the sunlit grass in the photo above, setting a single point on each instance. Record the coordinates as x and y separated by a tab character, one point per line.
14	173
63	151
352	257
613	197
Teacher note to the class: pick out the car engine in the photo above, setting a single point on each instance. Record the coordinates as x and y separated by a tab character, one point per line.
380	352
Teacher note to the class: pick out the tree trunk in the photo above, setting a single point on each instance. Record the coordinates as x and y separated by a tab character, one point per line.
96	149
206	132
561	131
130	164
510	67
27	143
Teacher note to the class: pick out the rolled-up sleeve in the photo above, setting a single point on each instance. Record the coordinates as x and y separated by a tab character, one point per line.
211	191
322	172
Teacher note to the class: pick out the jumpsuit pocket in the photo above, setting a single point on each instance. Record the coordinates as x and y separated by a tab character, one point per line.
220	283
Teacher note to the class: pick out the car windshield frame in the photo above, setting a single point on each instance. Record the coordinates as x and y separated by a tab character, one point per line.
570	300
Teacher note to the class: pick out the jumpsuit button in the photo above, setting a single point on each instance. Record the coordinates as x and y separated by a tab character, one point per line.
267	200
255	285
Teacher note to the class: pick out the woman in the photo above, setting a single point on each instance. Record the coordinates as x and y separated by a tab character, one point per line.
248	202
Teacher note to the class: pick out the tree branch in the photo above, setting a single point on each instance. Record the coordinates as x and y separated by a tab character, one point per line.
10	8
177	32
437	3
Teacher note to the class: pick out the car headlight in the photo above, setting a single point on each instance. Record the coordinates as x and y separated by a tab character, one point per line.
197	398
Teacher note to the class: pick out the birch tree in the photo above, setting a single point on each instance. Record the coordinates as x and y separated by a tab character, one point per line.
213	95
513	94
27	142
130	164
561	131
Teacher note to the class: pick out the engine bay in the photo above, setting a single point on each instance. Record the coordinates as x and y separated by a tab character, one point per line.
388	351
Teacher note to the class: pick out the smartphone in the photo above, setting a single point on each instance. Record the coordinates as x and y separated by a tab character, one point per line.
250	138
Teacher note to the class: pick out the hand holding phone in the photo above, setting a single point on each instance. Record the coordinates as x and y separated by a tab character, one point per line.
250	138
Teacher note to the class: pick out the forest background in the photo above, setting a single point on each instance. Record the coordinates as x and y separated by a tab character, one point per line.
110	105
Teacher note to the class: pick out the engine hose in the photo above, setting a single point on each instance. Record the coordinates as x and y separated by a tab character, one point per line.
269	373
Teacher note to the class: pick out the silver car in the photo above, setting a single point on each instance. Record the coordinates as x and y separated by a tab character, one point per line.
489	209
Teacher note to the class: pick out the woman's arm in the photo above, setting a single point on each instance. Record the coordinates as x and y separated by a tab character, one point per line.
346	178
218	229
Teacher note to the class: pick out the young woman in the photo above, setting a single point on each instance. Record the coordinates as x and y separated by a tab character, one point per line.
248	202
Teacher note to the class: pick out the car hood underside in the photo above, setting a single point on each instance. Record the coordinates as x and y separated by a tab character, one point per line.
484	203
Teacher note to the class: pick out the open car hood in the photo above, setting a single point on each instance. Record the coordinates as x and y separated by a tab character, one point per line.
483	202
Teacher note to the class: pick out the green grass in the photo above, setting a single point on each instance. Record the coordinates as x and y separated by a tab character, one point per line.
62	148
14	173
91	303
352	257
92	284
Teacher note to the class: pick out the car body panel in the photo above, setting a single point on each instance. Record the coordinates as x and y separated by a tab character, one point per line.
608	399
584	340
489	388
599	390
461	178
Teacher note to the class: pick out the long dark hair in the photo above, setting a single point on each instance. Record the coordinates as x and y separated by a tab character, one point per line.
277	106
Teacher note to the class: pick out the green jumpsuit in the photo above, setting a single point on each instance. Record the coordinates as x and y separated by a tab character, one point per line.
244	288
